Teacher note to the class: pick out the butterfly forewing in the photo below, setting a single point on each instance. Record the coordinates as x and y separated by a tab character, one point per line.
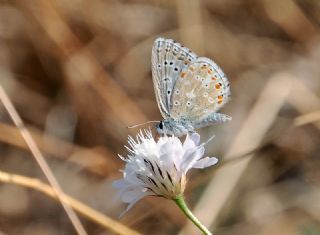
200	90
169	59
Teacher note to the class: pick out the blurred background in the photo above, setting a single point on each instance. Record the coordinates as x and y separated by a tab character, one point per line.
78	72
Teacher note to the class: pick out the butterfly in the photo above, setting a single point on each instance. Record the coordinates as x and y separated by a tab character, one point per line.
189	89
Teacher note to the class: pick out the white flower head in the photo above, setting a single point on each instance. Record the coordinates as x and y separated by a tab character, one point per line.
159	168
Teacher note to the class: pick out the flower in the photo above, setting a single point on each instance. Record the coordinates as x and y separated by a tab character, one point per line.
159	168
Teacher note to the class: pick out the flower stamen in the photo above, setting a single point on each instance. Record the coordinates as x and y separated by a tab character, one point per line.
159	170
169	177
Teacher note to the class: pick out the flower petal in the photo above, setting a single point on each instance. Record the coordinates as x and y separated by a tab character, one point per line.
170	153
205	162
195	138
131	195
188	143
119	184
131	204
191	141
190	157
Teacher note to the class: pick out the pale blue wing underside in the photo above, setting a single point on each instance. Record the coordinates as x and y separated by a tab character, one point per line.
199	92
169	58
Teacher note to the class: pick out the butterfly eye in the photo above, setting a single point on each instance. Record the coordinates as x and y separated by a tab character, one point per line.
161	125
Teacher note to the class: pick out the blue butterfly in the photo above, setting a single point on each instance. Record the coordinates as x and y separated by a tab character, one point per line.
189	89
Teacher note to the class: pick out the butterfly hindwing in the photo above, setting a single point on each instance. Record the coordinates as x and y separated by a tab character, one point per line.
200	90
169	58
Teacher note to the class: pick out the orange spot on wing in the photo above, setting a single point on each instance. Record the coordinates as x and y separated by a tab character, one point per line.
192	69
219	97
219	101
213	78
209	71
182	75
217	86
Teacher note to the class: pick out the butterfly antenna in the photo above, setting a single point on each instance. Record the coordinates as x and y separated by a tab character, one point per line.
143	124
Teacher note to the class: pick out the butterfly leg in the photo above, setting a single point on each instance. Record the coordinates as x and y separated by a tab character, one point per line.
219	118
213	118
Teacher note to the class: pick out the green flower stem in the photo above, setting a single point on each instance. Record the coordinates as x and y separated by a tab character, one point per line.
183	206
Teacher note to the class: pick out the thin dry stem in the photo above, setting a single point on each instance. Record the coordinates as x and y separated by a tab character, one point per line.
190	22
40	160
307	118
90	160
309	104
83	209
288	20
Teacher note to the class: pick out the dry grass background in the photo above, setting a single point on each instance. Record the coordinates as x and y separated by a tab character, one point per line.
78	72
